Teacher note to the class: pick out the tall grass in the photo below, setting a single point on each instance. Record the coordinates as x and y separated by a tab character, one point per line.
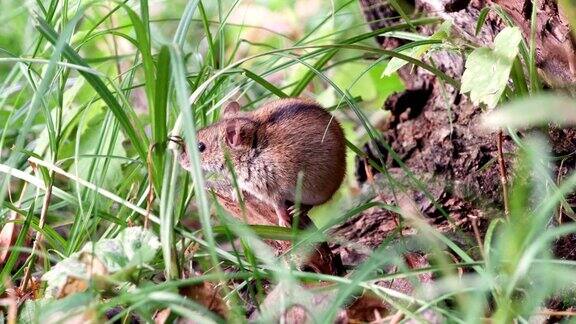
91	91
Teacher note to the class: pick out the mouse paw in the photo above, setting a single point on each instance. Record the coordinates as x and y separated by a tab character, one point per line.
299	216
284	218
283	223
234	195
292	211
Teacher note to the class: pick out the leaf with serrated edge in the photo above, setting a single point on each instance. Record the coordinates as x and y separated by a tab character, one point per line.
488	70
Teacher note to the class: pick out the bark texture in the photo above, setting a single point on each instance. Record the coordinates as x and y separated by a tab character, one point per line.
434	129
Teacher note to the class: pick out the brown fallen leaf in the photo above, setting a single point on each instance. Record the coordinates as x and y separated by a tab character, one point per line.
8	237
366	308
162	316
207	295
20	295
72	286
9	231
94	268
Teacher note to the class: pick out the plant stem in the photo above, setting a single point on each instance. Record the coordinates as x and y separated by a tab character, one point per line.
503	177
474	222
38	238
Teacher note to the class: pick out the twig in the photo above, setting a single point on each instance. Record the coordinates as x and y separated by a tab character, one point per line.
368	170
503	177
558	178
41	222
474	221
557	313
150	197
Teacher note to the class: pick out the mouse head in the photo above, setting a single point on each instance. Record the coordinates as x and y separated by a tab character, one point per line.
234	134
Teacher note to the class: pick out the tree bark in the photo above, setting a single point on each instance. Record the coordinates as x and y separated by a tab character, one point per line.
433	128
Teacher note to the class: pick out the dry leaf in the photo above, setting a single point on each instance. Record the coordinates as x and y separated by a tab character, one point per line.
72	286
162	316
367	308
207	295
7	238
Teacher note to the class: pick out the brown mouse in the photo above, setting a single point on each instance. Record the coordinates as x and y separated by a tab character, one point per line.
269	146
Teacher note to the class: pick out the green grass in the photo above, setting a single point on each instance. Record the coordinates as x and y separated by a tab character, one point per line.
90	92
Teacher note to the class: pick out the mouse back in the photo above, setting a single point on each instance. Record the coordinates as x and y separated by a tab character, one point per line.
303	137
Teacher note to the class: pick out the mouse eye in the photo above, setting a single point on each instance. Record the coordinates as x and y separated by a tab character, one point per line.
201	147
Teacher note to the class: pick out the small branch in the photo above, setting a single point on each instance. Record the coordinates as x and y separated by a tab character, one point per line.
474	221
38	238
503	173
150	197
549	312
558	179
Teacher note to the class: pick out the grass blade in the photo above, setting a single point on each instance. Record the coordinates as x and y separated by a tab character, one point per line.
127	119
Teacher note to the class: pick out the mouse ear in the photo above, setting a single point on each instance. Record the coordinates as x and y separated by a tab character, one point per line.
239	132
231	108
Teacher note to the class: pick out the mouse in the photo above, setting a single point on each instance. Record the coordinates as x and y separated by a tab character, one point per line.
268	147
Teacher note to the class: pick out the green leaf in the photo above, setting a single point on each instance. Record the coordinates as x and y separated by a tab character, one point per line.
75	308
133	247
159	114
162	88
322	61
417	52
401	7
139	244
58	276
143	45
481	19
488	70
263	231
30	312
109	252
185	21
126	117
96	134
264	83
